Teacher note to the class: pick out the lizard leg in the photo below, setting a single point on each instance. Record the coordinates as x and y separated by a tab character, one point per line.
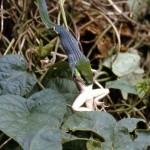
84	98
98	94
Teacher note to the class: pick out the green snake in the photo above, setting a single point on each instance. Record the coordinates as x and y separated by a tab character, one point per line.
79	64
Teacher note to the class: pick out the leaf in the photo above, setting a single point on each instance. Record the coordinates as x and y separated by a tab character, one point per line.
22	118
49	139
91	121
94	145
82	143
64	86
124	137
59	78
60	69
14	77
122	85
142	87
129	123
134	6
142	140
44	51
124	64
137	8
117	135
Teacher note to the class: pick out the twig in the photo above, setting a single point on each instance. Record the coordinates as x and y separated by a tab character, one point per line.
98	39
2	18
55	51
5	143
61	3
9	46
124	15
116	31
97	74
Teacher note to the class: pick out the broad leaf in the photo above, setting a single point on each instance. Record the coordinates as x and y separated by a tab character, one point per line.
129	123
142	140
122	85
142	87
99	122
117	135
137	7
60	69
82	143
94	145
14	77
124	134
124	64
49	139
59	77
22	118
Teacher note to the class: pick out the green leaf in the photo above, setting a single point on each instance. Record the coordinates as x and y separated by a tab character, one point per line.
64	86
22	118
117	135
14	77
99	122
124	64
142	140
59	78
142	87
137	7
44	51
82	143
134	7
122	85
49	139
94	145
129	123
125	138
60	69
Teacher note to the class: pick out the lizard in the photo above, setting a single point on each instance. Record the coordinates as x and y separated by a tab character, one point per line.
88	98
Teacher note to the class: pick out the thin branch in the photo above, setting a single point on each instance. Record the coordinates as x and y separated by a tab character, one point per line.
1	146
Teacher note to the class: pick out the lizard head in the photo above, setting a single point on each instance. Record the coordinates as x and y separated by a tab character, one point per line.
83	71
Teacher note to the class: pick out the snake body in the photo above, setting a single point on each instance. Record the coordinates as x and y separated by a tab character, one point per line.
69	44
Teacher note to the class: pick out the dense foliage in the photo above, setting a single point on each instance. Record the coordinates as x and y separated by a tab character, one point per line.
36	86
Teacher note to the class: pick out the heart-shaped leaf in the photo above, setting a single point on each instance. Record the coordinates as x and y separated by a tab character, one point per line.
99	122
14	77
22	118
117	135
137	7
122	85
124	64
82	143
49	139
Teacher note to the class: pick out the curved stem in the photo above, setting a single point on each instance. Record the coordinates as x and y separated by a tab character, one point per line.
61	3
